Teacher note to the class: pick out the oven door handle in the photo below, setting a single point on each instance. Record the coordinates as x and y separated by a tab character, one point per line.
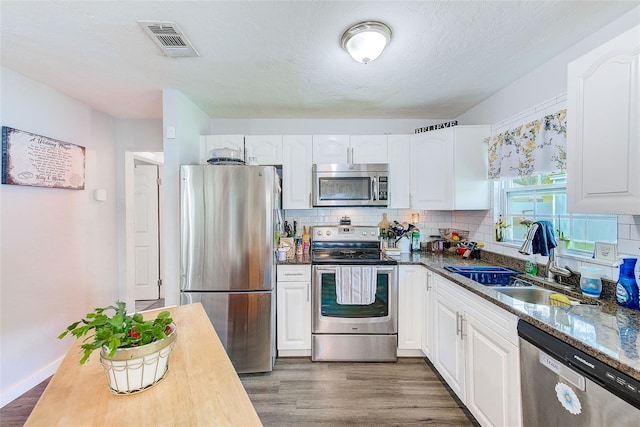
318	268
334	269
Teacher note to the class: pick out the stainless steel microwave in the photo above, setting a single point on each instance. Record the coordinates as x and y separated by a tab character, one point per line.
351	184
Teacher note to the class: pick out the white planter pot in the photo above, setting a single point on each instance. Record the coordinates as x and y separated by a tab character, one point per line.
563	245
132	370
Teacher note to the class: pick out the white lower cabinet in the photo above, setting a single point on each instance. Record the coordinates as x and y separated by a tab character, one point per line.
476	352
411	288
293	310
427	315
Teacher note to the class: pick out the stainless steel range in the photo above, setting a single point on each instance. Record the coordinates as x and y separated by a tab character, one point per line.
355	294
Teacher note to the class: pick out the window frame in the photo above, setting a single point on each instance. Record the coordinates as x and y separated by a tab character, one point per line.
506	192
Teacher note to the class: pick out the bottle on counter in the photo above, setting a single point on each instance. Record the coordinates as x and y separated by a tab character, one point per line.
531	266
627	287
415	241
306	241
590	281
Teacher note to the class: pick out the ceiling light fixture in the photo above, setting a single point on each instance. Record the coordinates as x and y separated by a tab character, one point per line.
366	41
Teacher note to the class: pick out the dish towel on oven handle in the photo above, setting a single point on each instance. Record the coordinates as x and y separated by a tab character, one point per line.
356	285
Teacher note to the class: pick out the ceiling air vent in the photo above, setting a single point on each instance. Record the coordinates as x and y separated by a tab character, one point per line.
169	38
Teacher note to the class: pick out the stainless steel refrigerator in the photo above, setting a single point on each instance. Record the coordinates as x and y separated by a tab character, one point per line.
229	215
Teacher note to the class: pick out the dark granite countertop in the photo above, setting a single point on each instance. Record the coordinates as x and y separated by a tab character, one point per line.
298	259
594	329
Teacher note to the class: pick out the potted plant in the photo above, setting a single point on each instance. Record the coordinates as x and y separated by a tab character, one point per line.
134	352
563	241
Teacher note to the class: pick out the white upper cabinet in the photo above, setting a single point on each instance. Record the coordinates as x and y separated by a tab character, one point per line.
330	148
603	130
349	149
449	169
209	142
431	161
296	171
369	149
399	147
267	149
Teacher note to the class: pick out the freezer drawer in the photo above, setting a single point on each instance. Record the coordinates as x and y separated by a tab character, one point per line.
244	322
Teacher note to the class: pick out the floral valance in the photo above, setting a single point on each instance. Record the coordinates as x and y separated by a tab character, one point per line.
536	147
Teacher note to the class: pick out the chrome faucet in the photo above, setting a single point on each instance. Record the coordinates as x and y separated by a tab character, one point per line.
552	269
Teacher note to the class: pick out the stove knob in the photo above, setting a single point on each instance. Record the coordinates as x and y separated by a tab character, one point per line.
328	232
364	233
373	233
319	232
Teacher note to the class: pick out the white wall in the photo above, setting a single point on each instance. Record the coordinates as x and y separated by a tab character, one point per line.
189	122
58	246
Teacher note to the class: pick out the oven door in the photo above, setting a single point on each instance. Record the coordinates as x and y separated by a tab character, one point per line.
330	317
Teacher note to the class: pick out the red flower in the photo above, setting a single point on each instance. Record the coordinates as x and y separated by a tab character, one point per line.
134	334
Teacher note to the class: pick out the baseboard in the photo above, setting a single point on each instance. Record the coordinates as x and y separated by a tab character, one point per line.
20	388
410	353
294	353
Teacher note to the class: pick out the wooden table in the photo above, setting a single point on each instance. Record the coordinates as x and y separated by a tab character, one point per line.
201	387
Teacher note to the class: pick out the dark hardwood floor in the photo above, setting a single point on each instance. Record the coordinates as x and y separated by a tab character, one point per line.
301	393
15	413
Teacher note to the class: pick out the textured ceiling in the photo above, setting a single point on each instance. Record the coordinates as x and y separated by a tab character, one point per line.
282	59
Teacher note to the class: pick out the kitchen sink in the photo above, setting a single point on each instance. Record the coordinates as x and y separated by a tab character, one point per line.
532	294
484	274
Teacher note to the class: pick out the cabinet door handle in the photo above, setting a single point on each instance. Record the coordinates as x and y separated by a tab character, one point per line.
308	291
462	322
458	328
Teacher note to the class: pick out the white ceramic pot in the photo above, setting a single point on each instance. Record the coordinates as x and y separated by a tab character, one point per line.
563	245
132	370
405	245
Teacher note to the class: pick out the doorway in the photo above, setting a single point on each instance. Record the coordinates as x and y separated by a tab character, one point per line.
144	224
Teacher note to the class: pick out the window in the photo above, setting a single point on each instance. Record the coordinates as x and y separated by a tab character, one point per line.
543	197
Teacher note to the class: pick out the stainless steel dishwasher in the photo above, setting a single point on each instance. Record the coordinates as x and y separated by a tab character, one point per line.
563	386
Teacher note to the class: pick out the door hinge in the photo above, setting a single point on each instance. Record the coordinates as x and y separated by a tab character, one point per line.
159	282
158	181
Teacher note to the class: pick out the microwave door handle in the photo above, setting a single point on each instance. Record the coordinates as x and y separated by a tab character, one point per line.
374	187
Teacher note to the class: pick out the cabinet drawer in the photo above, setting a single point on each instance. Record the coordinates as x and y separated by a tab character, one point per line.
294	273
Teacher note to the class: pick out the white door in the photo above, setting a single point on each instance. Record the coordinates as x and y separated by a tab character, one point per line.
432	170
410	306
330	148
147	261
267	149
296	171
491	375
448	356
427	314
603	136
369	149
294	315
398	155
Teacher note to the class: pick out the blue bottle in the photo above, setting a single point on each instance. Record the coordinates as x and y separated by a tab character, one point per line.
627	287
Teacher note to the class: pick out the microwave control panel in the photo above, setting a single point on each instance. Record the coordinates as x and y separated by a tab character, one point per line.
383	183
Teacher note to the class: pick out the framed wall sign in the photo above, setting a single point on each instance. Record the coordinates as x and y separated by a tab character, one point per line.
36	160
606	252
